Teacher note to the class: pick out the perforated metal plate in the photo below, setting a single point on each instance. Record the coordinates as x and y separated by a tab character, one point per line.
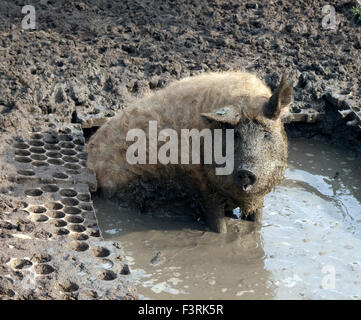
51	245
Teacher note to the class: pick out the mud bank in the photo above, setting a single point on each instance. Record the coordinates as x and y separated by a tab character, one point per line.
89	57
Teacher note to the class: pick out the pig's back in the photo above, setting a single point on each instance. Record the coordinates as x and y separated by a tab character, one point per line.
184	100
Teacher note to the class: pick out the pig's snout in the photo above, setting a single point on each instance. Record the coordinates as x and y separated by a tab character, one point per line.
245	179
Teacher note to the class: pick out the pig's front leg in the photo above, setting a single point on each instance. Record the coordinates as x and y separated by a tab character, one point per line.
254	211
214	217
258	215
254	215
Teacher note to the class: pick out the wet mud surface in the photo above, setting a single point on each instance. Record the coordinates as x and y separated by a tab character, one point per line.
88	58
307	248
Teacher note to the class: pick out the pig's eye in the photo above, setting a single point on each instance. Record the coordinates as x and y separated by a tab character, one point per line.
267	134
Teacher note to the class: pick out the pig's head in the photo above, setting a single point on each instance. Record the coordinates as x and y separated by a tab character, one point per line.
260	141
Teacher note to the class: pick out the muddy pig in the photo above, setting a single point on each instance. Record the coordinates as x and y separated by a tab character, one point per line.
235	102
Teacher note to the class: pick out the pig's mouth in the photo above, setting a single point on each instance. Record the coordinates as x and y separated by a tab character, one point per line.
246	187
246	180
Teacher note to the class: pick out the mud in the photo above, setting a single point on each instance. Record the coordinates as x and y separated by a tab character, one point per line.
311	232
86	59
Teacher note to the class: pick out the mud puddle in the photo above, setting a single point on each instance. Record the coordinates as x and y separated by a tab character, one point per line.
309	246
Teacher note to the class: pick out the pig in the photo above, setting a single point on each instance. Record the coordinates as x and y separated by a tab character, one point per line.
230	100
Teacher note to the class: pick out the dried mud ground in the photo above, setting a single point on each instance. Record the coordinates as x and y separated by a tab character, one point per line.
86	57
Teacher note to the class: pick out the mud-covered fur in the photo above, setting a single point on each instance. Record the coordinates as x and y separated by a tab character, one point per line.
260	144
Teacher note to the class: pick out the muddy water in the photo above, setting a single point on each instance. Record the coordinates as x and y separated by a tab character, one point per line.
309	246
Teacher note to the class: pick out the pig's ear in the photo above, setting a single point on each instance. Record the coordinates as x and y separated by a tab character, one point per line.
277	105
228	114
